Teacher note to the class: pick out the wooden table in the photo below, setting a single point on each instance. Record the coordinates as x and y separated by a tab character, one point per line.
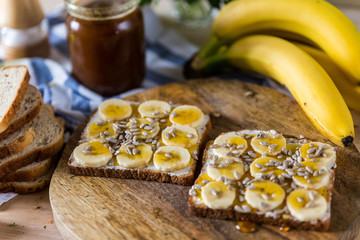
32	214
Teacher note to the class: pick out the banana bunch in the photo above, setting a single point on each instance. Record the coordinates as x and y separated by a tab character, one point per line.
323	75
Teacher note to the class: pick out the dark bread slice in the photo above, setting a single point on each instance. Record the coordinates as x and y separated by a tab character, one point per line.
29	109
14	81
28	186
138	173
201	210
18	141
28	173
48	141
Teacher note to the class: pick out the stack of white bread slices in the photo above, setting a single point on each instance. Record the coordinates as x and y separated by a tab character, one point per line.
30	134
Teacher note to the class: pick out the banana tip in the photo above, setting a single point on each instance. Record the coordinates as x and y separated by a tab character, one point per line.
347	141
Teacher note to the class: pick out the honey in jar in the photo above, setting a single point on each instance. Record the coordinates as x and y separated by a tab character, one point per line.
106	44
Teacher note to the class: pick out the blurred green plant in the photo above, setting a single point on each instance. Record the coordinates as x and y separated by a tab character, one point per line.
213	3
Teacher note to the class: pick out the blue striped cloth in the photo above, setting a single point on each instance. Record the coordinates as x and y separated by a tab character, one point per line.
166	52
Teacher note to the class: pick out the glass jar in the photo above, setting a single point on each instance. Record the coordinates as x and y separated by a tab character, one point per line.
106	44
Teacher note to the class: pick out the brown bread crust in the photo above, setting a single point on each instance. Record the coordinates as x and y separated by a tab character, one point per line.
9	116
16	124
19	144
28	175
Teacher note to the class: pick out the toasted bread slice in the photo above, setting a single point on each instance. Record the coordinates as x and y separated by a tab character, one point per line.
29	109
18	141
48	141
29	173
23	187
13	84
254	182
149	171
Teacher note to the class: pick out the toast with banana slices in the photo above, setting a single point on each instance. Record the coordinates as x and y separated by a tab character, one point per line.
264	177
153	140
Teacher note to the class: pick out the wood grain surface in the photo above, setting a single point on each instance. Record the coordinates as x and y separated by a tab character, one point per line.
28	216
101	208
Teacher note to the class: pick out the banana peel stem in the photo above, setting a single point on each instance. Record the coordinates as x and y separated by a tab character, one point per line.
210	48
210	63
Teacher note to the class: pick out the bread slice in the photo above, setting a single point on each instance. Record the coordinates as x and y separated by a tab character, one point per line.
28	186
48	141
13	84
29	109
18	141
243	184
29	173
148	172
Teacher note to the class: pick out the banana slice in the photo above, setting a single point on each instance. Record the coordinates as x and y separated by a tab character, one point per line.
270	142
100	130
135	157
146	129
321	153
154	109
227	141
216	195
114	110
306	205
182	136
265	165
233	171
187	115
311	176
264	195
171	158
92	154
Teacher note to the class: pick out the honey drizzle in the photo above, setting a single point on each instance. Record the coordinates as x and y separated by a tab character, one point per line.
246	227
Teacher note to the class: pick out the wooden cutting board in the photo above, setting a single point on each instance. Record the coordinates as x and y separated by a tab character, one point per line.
100	208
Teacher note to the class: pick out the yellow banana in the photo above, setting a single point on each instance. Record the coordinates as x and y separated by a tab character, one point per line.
316	20
310	85
349	91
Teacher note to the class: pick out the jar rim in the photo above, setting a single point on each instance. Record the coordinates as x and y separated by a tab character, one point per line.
101	13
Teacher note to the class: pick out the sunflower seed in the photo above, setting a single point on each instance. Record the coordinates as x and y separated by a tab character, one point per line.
222	165
238	208
309	169
265	196
214	192
192	192
264	143
273	132
100	123
88	148
87	152
204	181
169	155
310	204
128	151
264	204
134	151
246	209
